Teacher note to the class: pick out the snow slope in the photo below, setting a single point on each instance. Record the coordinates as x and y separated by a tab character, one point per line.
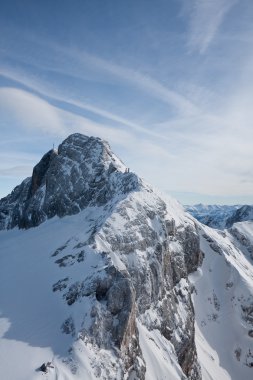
31	313
223	305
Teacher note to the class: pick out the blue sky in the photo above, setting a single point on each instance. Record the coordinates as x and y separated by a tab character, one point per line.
169	83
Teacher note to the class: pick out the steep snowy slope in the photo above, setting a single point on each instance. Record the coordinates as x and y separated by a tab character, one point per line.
223	302
242	237
103	293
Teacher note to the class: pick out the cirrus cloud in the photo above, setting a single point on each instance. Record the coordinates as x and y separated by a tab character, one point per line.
29	111
206	16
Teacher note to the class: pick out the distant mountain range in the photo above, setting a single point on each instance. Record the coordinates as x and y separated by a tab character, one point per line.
217	216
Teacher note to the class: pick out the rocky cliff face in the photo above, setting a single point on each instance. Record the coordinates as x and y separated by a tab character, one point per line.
147	258
83	172
126	271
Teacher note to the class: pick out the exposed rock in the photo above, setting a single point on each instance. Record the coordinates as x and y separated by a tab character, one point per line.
40	171
141	255
83	173
45	366
60	285
192	255
241	214
68	327
247	313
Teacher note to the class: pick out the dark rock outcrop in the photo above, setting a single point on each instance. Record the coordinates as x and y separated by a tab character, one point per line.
243	213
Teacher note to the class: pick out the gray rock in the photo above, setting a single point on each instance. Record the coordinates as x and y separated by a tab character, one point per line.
83	172
157	255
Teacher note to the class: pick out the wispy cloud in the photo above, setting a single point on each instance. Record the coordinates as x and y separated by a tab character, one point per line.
28	110
35	114
151	86
15	165
16	171
130	77
46	90
206	17
32	113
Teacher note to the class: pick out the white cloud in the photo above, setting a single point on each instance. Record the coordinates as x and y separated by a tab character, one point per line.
23	109
206	17
129	76
21	171
19	107
75	123
33	114
44	90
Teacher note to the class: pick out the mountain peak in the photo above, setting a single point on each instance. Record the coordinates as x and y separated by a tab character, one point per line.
83	172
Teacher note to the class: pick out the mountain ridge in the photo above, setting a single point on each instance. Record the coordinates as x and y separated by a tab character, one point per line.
127	267
117	287
220	216
65	181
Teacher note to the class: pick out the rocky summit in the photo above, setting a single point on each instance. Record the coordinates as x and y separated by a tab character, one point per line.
82	172
99	287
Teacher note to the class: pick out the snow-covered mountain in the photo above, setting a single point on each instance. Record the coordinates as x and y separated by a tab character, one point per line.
220	217
94	277
223	303
242	214
101	292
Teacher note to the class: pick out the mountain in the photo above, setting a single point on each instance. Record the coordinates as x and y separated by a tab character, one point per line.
220	217
99	284
242	214
104	277
64	182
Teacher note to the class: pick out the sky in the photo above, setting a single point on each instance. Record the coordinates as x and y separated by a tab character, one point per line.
168	83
